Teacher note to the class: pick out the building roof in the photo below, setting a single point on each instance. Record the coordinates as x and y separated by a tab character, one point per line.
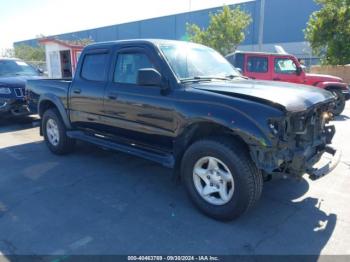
69	44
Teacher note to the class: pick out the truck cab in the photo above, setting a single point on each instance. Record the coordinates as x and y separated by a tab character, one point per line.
287	68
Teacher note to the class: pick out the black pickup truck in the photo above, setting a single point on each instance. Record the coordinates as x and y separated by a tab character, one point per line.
184	106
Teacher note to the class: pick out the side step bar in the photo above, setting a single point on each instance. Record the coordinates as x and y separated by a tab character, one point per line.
166	160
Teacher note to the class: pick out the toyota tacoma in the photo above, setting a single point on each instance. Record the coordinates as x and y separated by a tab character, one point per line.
185	106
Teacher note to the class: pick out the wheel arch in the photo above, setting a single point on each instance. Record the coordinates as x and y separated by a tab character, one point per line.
200	130
51	101
206	129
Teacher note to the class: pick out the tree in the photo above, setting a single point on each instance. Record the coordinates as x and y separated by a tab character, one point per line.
29	53
7	52
328	32
225	31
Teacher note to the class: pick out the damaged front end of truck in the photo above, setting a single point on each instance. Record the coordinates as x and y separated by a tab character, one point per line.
301	139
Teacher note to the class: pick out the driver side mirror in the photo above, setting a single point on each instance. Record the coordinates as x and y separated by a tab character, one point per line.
149	77
299	71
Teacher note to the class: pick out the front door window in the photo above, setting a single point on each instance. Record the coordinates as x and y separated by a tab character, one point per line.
128	65
285	66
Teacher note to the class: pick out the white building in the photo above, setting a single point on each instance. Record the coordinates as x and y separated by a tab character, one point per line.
61	57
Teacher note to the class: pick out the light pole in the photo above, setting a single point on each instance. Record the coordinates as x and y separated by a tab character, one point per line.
261	24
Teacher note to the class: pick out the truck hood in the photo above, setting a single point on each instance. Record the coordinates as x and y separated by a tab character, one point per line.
286	96
322	78
16	81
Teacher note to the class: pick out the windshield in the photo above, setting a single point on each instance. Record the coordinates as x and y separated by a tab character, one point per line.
193	61
16	68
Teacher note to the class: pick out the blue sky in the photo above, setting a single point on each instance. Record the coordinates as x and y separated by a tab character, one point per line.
25	19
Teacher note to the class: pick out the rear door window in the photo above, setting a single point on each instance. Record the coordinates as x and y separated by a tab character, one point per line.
257	64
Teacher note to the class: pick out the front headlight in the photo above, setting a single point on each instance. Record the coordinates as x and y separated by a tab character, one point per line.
5	91
277	126
274	127
299	124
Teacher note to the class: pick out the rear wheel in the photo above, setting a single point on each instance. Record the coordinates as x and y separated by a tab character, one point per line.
220	178
54	132
339	103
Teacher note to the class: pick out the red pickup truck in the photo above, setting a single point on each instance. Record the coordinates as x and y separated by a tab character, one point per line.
286	67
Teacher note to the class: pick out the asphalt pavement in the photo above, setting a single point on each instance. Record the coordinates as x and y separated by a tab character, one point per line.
95	201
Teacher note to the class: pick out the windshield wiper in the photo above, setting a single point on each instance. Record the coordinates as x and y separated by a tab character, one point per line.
231	76
235	76
195	79
203	78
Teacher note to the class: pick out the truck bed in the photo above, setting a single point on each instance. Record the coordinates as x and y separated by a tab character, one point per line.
37	88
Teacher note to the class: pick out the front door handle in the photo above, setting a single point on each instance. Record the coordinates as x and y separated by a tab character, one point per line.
77	91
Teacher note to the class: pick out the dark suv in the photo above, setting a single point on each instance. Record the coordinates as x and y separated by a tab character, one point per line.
13	76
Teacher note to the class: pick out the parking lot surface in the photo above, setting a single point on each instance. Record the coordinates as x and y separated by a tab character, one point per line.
95	201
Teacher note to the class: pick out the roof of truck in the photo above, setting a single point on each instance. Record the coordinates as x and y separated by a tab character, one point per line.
138	41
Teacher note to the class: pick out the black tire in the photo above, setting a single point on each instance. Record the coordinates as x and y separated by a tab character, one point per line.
248	180
340	102
65	144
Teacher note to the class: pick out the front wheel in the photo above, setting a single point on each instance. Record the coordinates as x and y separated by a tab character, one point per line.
54	132
220	178
339	103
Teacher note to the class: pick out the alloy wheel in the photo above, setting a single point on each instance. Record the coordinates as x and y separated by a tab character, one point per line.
213	180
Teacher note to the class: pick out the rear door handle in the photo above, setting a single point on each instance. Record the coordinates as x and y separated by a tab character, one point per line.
276	79
77	91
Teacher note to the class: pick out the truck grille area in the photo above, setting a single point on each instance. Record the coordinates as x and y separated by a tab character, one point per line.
309	128
307	136
301	140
